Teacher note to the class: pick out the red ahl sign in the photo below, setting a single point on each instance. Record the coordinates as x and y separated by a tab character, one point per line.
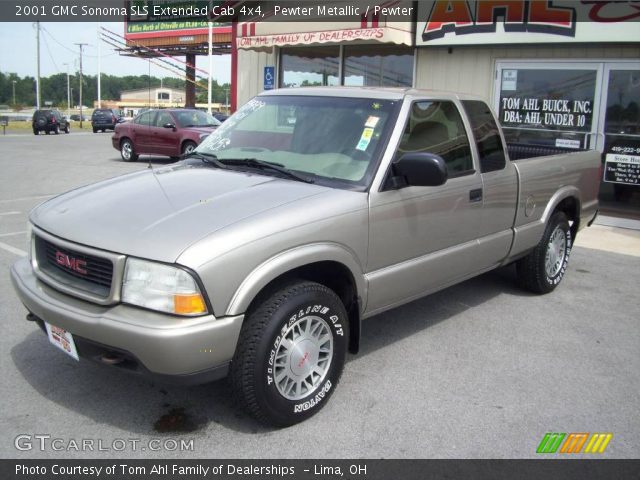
459	22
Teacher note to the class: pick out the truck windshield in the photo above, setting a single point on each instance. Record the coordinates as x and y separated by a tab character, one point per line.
337	141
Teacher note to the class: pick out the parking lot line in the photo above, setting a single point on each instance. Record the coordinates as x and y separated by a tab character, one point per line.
35	197
9	213
13	250
12	234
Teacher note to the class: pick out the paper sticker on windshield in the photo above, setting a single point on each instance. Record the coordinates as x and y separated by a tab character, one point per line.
372	121
365	139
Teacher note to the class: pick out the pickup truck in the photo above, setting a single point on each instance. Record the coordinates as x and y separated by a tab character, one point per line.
259	255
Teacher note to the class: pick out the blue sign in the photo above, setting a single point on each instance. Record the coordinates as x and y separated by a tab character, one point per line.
269	78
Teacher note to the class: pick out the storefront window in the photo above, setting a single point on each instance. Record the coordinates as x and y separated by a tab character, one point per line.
309	67
547	107
622	143
378	66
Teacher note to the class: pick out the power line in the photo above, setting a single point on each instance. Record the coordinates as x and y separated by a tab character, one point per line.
46	44
69	49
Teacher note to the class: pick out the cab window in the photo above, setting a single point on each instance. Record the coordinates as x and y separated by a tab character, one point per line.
436	127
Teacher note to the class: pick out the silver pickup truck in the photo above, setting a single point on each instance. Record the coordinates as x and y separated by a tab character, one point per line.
309	210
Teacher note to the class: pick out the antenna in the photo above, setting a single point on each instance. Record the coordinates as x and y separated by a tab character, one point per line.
149	89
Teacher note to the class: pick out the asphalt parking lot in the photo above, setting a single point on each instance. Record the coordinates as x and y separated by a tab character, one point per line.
480	370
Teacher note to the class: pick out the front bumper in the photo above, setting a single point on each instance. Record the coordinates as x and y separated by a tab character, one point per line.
169	348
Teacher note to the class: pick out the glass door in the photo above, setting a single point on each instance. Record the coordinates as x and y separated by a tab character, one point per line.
619	139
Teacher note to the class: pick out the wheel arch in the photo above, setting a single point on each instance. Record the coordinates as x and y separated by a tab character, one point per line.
328	264
566	200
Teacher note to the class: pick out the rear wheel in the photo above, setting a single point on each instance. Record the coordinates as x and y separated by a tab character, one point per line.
47	132
95	130
291	353
67	129
543	269
127	152
56	129
35	132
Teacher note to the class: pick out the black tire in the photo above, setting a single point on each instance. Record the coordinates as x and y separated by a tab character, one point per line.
535	272
36	132
102	130
188	147
47	132
127	152
67	129
56	130
95	130
258	377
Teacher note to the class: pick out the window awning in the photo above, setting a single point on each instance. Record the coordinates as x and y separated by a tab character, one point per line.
265	35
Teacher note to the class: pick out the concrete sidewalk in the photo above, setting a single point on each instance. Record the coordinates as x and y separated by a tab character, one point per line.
612	235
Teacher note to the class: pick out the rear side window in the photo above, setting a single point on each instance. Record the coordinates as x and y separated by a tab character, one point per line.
486	134
436	127
145	118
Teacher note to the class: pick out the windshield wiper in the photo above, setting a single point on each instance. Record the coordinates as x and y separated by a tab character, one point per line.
208	158
263	165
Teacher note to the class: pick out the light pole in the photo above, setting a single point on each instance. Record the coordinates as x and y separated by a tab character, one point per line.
80	45
68	94
14	92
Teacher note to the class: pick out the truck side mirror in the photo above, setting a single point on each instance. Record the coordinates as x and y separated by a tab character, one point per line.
420	170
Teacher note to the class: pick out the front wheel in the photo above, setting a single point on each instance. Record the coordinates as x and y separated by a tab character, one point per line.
127	152
188	147
543	269
291	353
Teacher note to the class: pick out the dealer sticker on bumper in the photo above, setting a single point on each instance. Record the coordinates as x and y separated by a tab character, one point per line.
62	339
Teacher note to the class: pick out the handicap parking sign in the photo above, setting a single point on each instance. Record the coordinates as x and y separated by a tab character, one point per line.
269	77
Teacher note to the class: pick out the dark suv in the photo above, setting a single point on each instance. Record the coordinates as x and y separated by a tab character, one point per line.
104	119
48	121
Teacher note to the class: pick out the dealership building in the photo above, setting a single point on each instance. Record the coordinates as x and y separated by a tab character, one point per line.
561	74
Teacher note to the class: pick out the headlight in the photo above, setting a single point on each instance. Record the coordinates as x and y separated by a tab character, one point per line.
161	287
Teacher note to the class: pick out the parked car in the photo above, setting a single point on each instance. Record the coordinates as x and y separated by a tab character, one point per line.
49	121
105	119
260	254
170	132
221	117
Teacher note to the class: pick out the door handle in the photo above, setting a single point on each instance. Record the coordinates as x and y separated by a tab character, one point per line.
475	195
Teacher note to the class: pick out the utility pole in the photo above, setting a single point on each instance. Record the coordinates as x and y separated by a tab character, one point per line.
80	45
210	64
38	63
14	93
68	94
99	95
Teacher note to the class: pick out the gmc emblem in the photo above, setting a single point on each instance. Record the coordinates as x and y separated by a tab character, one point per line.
71	263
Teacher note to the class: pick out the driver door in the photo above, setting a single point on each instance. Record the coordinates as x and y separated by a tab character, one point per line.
424	238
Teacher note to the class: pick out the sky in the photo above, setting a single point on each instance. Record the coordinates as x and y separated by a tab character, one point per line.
18	52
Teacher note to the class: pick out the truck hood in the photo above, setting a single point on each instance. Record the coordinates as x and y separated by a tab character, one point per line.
157	214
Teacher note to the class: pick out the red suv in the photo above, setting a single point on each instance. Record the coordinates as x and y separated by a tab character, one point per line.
170	132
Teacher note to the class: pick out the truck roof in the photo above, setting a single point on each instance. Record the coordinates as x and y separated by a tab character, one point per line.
382	93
